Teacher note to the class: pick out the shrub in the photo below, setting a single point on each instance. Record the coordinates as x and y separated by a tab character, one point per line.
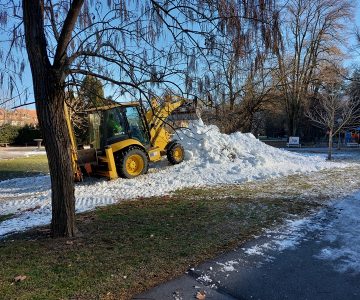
27	134
8	133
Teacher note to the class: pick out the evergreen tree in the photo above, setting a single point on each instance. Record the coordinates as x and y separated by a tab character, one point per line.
92	92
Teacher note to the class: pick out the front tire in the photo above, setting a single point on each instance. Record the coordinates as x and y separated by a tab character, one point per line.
133	162
175	153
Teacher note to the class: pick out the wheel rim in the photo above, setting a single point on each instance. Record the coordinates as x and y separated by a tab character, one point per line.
178	154
134	165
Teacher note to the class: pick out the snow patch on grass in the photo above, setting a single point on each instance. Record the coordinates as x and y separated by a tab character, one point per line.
212	158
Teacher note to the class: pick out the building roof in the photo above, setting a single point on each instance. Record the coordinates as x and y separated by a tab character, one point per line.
29	112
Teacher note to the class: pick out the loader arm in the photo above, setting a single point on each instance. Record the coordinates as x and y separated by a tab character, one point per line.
74	155
155	118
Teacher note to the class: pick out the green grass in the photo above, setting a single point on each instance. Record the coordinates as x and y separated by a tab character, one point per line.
6	217
127	248
23	167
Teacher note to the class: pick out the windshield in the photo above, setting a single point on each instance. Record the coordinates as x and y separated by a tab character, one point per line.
137	128
115	125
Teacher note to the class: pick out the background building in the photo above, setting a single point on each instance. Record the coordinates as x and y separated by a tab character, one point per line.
18	117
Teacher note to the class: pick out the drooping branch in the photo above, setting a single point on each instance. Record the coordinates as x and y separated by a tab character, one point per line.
66	32
50	11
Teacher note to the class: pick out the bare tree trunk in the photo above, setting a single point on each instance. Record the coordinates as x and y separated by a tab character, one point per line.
292	122
339	141
232	102
57	143
49	94
330	145
295	122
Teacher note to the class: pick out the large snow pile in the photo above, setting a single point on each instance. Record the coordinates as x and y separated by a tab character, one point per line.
211	158
240	157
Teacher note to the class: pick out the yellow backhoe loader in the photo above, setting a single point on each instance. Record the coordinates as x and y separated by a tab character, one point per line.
124	138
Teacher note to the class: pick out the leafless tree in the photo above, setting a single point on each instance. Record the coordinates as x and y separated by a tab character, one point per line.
257	97
333	112
238	85
135	47
354	86
76	107
312	31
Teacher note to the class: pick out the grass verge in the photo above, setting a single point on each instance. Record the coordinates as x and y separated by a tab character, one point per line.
6	217
23	167
127	248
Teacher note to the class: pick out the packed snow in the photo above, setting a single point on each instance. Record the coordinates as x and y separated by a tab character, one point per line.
211	158
228	266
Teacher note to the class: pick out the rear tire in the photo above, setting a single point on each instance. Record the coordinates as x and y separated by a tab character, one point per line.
175	153
132	163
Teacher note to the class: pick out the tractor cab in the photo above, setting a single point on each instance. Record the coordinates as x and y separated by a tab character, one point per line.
110	125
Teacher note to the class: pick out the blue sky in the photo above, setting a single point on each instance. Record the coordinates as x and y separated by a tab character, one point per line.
354	58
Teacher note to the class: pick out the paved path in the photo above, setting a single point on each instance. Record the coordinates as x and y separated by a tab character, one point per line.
14	152
293	273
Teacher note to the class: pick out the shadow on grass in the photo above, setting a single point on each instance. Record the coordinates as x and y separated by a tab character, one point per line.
127	248
5	175
5	217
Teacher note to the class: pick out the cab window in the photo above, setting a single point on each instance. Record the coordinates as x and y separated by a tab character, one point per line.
113	126
136	125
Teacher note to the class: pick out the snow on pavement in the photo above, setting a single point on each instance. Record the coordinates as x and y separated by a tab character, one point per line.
331	234
338	226
343	234
211	158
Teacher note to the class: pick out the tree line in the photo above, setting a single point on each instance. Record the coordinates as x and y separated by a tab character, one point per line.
240	58
278	92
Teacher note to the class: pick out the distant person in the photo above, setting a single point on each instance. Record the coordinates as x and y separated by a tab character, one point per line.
113	127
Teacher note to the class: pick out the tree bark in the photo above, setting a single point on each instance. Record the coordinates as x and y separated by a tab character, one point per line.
293	123
330	145
48	84
57	143
232	102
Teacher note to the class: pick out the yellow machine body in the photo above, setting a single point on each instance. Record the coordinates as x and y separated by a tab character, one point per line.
159	139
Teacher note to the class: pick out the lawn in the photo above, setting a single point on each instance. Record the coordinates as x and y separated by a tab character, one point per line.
23	166
127	248
124	249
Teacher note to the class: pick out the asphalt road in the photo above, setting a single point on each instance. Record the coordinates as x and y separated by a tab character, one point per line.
293	273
